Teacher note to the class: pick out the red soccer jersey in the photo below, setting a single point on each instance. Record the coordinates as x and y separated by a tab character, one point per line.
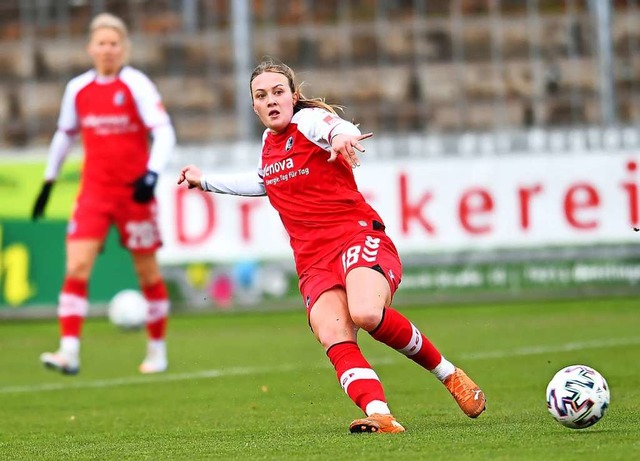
114	118
318	201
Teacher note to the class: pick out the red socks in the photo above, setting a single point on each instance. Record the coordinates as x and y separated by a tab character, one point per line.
355	375
158	299
71	325
72	307
396	331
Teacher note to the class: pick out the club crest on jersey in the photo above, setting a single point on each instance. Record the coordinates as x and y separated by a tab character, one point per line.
289	144
118	98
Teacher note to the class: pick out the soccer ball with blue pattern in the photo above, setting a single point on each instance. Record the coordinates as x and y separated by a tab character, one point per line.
577	396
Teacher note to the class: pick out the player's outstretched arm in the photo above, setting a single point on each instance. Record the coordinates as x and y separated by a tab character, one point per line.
192	175
248	184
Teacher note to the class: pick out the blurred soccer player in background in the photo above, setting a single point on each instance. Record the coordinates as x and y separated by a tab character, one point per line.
348	268
114	108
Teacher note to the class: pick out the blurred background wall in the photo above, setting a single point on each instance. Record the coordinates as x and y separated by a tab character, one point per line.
399	66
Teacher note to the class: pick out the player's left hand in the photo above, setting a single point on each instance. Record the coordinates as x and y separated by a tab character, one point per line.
346	145
41	201
143	187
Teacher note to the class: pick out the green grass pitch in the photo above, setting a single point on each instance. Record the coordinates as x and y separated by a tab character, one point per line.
256	386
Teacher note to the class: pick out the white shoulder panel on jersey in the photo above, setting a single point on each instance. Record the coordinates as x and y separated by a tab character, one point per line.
146	96
265	133
319	126
68	119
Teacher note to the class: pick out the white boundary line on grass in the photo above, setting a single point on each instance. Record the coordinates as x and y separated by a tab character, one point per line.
568	347
239	371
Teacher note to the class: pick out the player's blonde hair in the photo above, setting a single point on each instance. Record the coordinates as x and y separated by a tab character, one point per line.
112	21
270	65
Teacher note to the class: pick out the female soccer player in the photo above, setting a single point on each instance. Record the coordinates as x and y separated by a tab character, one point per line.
348	268
114	108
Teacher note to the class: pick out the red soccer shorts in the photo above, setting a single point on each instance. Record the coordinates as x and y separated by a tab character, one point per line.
371	248
137	223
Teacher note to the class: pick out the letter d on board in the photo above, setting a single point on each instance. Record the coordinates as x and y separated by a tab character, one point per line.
199	210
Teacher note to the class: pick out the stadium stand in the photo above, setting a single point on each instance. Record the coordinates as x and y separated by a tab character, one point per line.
434	67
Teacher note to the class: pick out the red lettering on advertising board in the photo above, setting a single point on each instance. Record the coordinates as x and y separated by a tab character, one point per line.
632	195
207	216
526	195
409	211
579	198
245	219
475	202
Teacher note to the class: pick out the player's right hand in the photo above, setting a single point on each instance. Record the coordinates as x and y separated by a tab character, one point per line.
192	175
41	201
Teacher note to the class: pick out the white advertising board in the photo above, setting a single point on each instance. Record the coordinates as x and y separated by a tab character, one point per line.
432	205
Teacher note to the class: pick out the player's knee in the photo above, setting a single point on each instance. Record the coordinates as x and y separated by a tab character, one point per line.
365	317
79	269
328	340
146	279
330	333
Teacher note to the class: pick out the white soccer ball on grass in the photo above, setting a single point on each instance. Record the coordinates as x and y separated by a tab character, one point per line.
578	396
128	309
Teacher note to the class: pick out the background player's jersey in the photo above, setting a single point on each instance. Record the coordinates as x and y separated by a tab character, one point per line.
318	201
114	117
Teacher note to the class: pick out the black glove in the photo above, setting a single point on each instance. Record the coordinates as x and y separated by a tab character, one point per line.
41	201
143	187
